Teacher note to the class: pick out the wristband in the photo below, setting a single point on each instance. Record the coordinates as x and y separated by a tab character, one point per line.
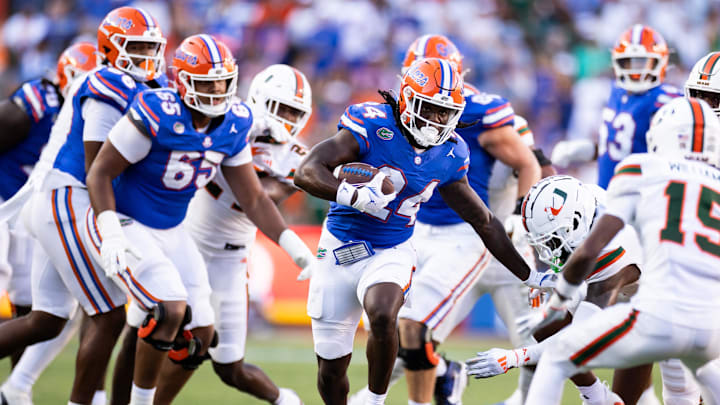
564	288
345	193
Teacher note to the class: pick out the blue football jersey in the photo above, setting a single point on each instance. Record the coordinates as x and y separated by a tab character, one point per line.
482	112
414	175
41	100
156	190
110	86
626	119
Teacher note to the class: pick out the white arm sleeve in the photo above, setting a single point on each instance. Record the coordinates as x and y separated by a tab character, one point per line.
99	119
132	144
240	158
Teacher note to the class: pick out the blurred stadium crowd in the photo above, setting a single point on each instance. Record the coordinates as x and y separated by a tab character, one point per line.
550	58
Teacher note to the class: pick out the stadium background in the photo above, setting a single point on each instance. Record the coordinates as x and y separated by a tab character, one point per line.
550	58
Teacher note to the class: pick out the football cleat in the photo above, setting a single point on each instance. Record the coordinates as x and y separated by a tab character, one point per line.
450	386
11	396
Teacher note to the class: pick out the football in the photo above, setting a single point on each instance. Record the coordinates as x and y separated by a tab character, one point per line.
358	173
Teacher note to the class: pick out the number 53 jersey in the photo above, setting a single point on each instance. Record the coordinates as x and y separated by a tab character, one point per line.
626	119
674	204
414	175
157	189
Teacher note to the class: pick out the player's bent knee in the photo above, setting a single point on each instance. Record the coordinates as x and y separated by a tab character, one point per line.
422	357
45	325
187	350
157	319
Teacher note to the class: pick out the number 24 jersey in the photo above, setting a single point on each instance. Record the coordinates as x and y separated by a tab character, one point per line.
414	175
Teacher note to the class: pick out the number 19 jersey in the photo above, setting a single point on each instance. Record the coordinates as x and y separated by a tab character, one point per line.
626	119
414	175
674	204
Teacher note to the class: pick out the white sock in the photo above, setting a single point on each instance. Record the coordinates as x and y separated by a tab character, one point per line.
375	399
593	394
287	397
441	368
411	402
37	357
141	396
99	398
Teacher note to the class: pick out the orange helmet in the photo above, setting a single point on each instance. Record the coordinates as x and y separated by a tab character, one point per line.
75	60
430	87
131	24
639	59
204	58
432	46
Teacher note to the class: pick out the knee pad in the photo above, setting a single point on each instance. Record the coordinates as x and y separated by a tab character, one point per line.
153	319
423	358
185	350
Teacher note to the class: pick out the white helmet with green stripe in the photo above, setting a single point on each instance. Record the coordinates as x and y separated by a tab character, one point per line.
704	81
685	128
558	212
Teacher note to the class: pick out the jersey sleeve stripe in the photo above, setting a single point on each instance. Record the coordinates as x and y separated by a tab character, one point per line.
153	125
463	167
39	98
97	87
358	120
34	101
505	121
498	108
498	115
698	125
346	120
634	170
108	84
607	260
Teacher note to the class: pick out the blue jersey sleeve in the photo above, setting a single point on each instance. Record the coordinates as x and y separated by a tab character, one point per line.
487	111
35	99
110	86
665	94
462	160
142	113
240	121
354	120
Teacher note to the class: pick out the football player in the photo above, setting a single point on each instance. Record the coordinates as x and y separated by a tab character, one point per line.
131	45
365	257
167	146
639	60
673	314
29	115
280	99
446	276
558	214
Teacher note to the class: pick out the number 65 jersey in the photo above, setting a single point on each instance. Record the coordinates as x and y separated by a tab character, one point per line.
674	204
157	189
414	175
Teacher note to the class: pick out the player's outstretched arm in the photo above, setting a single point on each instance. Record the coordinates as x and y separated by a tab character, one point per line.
15	124
277	190
315	173
462	199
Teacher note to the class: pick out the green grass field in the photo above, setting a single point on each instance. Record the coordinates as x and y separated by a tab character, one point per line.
287	356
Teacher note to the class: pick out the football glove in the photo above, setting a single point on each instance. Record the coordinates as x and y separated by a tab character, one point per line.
266	126
370	197
541	280
566	152
495	362
114	247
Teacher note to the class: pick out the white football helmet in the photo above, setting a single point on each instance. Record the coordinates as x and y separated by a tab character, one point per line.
282	86
704	81
685	128
558	213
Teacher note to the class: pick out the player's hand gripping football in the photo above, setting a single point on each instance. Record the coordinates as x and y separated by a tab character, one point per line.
370	197
114	247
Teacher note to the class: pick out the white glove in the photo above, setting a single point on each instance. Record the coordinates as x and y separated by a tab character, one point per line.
370	197
299	252
114	245
566	152
493	362
267	126
541	280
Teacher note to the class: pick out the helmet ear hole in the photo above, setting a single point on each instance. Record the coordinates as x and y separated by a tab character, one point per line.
576	220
